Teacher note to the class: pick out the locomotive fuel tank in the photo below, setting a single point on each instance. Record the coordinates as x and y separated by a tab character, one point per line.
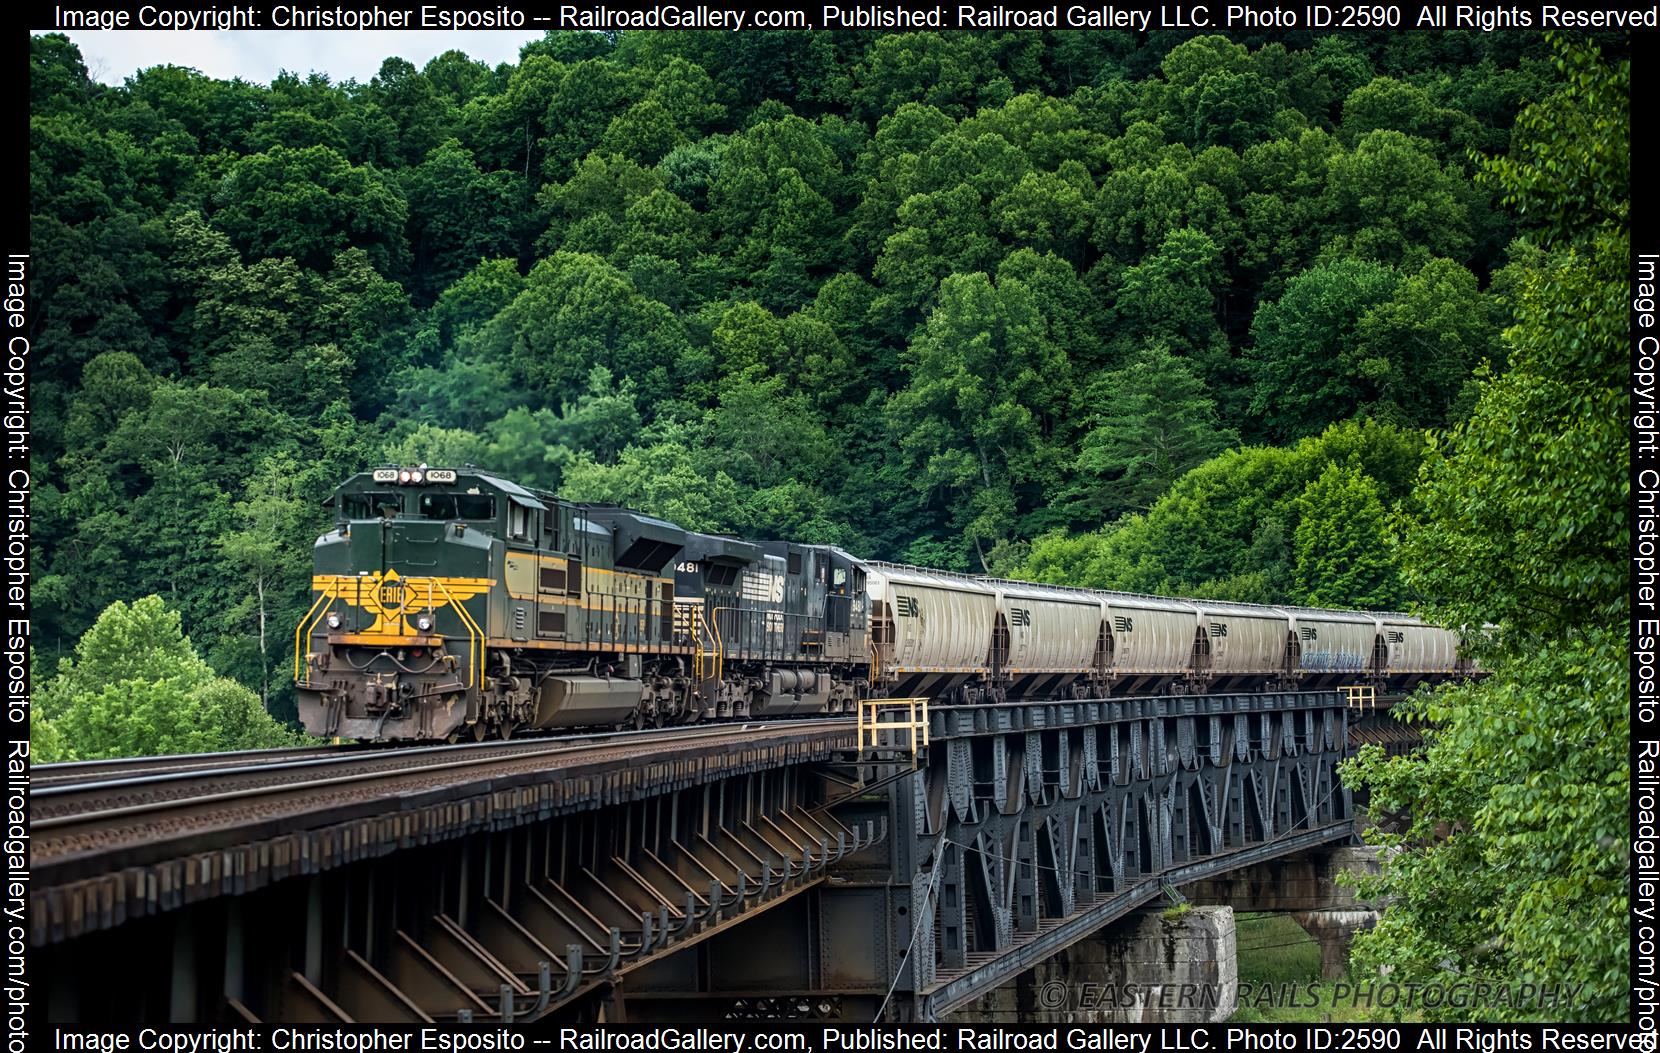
571	701
790	691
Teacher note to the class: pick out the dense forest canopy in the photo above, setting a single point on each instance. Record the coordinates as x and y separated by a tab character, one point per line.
1168	312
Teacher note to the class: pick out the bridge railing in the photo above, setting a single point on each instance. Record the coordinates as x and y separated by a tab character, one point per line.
893	724
1360	696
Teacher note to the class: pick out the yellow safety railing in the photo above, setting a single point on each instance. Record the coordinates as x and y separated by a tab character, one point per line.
894	715
690	622
475	636
302	631
1360	696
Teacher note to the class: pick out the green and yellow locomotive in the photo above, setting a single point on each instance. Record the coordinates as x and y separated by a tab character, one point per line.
451	602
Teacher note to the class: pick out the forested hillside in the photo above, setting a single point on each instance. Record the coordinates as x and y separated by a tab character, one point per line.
1166	313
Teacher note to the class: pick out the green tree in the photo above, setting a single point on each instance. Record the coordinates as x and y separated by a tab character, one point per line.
663	476
1342	543
273	521
136	687
309	204
1524	529
576	312
1419	348
938	69
1170	299
1153	425
1048	211
1393	201
1228	528
987	391
1305	362
458	216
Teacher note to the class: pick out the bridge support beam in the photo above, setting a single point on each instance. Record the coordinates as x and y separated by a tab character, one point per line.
1018	845
1308	881
1154	967
1312	887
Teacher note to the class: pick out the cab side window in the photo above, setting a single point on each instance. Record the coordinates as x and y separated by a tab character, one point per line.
518	520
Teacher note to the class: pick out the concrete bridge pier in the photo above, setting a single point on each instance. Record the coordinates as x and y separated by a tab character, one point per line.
1335	930
1307	887
1153	967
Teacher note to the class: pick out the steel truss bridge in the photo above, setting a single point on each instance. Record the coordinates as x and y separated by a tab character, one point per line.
711	873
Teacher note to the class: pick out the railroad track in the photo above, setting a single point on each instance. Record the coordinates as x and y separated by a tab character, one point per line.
101	809
70	772
138	769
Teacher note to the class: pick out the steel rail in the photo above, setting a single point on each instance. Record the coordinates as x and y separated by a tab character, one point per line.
72	776
45	776
82	802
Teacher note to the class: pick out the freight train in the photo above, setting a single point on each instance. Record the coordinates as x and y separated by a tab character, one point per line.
451	602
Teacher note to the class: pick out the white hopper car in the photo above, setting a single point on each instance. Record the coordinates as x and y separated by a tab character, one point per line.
965	638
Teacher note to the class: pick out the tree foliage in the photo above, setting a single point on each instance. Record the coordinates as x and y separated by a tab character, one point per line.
137	687
1522	543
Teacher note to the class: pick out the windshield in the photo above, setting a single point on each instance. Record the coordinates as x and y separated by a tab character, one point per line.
371	505
458	506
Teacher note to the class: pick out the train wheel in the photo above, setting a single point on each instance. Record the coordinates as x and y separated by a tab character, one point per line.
480	731
506	730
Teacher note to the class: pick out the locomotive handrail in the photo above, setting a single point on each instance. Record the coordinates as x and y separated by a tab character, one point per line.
302	631
720	648
475	635
711	656
768	647
689	622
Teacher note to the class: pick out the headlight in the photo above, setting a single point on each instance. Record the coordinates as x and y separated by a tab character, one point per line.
415	477
334	621
424	622
403	476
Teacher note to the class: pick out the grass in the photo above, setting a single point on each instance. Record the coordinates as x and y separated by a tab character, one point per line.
1275	953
